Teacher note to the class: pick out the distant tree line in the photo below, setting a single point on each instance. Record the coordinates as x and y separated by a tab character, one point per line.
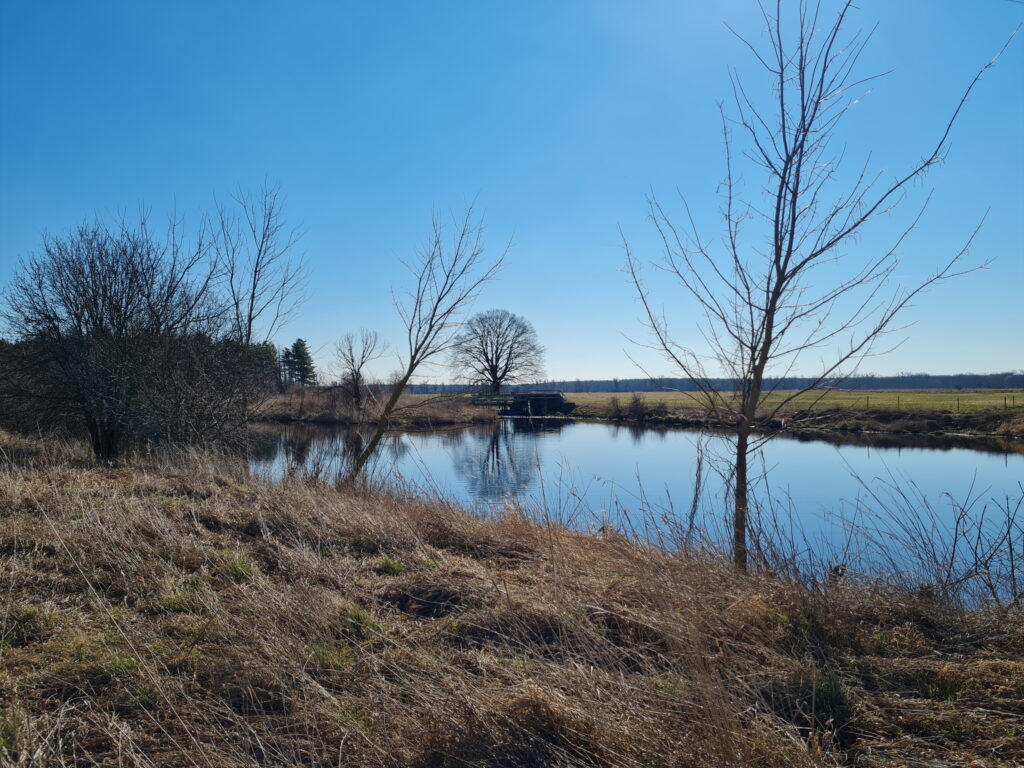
1007	380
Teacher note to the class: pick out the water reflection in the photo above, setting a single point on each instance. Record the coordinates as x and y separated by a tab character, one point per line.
503	461
306	449
866	501
609	472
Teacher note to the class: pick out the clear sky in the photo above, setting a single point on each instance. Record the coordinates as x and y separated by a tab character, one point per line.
559	117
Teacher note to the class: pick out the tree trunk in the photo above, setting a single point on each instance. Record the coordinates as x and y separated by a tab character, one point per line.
739	521
382	425
105	436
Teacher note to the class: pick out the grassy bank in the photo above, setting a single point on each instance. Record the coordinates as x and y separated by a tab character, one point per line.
983	412
180	612
325	405
978	412
928	400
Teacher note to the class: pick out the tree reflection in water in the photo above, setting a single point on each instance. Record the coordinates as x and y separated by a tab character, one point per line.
306	450
493	462
503	459
497	462
575	472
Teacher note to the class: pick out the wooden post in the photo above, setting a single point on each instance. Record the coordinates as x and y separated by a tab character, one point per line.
958	403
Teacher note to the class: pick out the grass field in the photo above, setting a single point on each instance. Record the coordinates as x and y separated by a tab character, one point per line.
962	401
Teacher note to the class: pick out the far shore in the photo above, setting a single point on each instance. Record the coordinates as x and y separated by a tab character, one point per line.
998	413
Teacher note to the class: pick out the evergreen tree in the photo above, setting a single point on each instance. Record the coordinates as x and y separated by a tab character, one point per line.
285	366
298	364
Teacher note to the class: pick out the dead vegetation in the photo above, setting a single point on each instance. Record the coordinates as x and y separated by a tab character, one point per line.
328	405
183	613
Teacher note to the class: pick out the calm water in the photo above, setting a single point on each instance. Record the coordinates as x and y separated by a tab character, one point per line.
589	474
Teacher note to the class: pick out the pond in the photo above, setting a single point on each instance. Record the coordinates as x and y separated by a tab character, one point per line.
645	481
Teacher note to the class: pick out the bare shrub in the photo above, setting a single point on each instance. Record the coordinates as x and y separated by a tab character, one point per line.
140	338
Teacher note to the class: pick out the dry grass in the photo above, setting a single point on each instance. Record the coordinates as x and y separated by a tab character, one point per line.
325	405
980	412
956	401
183	613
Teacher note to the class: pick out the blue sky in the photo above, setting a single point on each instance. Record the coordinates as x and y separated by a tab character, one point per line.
559	117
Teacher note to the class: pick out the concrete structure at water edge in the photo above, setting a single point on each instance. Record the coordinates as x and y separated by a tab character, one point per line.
528	403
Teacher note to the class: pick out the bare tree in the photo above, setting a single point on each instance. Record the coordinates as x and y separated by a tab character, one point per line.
806	289
447	276
496	348
255	250
354	352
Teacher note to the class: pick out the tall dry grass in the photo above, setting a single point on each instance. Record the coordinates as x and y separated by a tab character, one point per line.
177	611
327	405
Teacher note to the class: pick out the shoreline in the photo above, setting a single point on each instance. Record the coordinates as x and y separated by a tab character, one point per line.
932	415
925	424
989	423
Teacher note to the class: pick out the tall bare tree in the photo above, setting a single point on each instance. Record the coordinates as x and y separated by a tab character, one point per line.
496	348
354	352
447	275
262	274
785	278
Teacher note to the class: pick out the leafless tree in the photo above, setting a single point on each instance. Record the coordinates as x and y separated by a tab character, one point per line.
785	279
496	348
354	352
255	250
447	276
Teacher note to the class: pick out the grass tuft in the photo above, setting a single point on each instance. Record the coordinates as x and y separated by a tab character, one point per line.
239	567
388	566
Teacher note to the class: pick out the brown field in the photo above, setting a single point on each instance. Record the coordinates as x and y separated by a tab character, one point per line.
179	612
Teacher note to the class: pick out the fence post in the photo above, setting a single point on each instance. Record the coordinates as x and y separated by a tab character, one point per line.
958	404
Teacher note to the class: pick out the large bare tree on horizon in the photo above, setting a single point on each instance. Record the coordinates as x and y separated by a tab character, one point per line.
784	279
496	348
